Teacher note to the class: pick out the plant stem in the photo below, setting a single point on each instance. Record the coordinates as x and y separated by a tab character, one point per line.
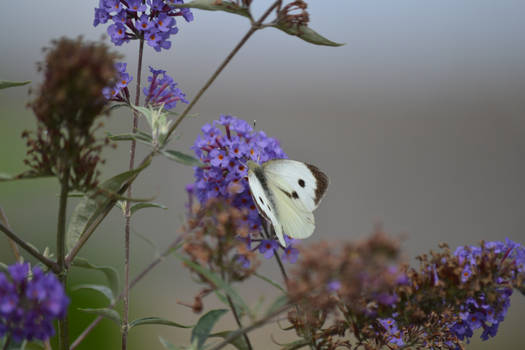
14	247
63	336
254	27
234	335
238	320
127	227
28	248
134	282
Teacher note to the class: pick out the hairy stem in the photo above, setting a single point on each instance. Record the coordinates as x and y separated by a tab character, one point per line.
133	283
63	336
28	248
127	227
254	27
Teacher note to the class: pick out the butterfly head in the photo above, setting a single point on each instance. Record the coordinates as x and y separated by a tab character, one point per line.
252	165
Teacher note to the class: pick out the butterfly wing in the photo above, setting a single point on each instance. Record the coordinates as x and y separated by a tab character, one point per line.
262	197
303	183
296	222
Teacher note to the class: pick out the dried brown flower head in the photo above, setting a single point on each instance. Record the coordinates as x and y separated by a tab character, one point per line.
68	102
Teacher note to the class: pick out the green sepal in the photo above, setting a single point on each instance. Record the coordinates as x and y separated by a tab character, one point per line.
157	321
216	5
104	290
110	272
305	33
4	84
106	313
202	329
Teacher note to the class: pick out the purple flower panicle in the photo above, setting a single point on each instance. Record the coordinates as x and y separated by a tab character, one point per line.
225	154
30	300
154	20
119	92
162	90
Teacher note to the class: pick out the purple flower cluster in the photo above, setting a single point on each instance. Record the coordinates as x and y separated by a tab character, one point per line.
153	20
119	92
30	301
225	155
481	313
162	90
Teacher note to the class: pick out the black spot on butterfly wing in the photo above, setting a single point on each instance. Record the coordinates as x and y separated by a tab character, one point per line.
301	183
321	183
295	195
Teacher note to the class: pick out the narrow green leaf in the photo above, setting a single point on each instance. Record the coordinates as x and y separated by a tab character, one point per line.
140	137
202	329
305	33
215	5
239	342
27	175
4	84
237	300
105	312
155	320
182	158
110	272
115	106
168	345
93	204
277	304
266	279
139	206
106	291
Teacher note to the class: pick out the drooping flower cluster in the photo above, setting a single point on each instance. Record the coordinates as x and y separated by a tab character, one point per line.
162	90
383	303
153	20
482	311
224	174
30	300
68	103
119	92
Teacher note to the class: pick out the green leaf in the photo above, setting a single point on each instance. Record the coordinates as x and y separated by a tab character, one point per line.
155	320
219	282
277	304
182	158
105	290
305	33
204	326
239	342
139	136
34	346
4	84
93	204
266	279
217	5
139	206
22	176
105	312
110	272
168	345
116	106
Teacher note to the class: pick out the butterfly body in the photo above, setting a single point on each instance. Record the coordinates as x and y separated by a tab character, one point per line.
286	192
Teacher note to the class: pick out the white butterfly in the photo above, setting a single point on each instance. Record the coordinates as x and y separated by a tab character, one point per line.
286	192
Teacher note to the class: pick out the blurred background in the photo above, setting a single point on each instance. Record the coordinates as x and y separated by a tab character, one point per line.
419	120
